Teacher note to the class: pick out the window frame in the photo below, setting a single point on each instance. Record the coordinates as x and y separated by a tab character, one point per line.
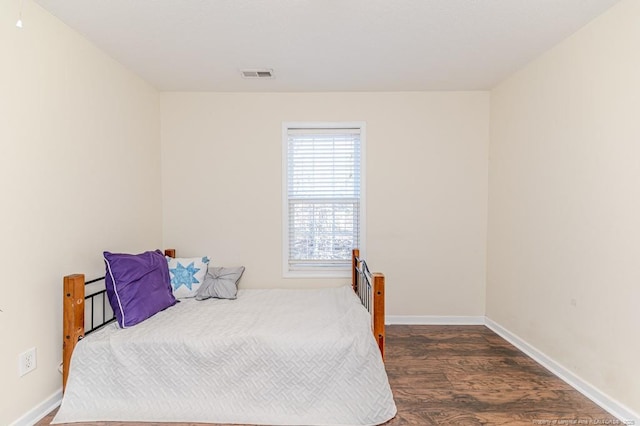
320	271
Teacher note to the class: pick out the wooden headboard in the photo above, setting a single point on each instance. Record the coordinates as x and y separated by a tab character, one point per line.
74	302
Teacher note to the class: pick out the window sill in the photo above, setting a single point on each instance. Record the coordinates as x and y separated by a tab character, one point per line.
317	273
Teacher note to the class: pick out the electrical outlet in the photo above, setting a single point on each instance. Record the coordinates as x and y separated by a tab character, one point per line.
27	362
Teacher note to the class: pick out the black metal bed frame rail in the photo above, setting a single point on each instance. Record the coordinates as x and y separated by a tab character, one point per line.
363	283
100	294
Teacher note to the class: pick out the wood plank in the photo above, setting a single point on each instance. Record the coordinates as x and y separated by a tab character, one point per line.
378	310
73	321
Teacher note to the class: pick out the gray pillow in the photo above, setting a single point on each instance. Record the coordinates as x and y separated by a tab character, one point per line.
220	283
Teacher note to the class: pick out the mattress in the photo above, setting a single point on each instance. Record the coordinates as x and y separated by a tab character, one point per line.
277	357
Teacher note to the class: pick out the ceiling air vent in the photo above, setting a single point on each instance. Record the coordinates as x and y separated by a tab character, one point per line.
258	73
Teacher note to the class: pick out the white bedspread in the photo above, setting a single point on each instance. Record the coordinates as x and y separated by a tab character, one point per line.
276	357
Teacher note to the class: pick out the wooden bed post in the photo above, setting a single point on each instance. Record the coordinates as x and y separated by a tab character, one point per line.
355	254
73	320
170	252
378	310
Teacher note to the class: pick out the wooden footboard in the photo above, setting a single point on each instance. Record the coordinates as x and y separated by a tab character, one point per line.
370	289
73	318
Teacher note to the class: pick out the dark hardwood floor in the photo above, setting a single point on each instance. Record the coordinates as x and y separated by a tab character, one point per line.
468	375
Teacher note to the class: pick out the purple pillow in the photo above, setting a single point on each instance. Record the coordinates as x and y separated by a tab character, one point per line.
138	285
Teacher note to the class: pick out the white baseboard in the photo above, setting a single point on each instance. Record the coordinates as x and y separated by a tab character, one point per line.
623	413
38	412
433	320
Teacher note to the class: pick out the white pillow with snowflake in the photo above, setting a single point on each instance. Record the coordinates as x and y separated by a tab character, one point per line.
187	275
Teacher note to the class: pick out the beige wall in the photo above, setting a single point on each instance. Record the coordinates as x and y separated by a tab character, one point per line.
79	173
426	187
563	237
564	204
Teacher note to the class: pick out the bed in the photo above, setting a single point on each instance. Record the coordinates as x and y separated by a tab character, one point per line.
277	357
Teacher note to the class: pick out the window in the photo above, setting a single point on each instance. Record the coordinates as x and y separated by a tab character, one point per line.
322	193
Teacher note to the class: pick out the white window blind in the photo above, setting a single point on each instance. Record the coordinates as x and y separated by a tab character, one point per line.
323	169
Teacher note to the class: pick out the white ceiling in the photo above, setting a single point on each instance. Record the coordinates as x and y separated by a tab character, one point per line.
325	45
